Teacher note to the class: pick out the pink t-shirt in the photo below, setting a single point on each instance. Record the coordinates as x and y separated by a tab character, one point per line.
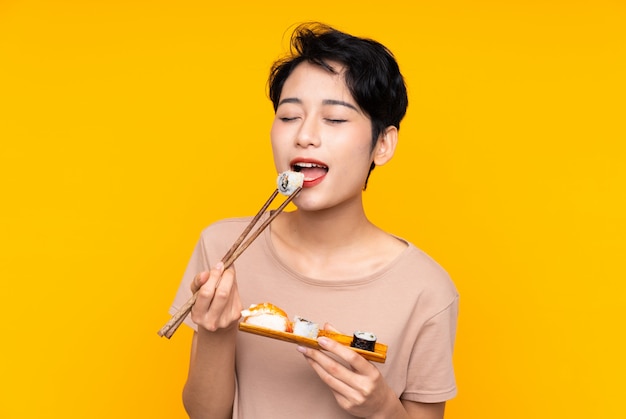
411	305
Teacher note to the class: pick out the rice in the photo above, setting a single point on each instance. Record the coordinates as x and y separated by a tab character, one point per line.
287	182
267	315
305	328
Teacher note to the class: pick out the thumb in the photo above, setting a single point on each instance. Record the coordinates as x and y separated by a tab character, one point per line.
330	328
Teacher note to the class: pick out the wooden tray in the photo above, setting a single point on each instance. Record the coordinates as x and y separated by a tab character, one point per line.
379	354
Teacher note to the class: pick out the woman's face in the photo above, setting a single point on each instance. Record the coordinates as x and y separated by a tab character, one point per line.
319	130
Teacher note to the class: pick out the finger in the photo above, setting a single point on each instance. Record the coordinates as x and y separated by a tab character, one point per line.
223	292
356	362
331	372
330	328
352	385
198	281
206	291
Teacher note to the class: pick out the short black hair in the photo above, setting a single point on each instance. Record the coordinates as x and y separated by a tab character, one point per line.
372	74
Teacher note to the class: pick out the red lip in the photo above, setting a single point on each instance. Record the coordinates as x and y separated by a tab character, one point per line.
313	182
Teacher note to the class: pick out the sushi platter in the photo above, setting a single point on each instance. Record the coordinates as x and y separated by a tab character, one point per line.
378	355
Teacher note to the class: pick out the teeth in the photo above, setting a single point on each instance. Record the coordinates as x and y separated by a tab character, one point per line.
303	165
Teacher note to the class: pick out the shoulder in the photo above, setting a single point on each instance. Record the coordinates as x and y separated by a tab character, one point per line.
420	272
227	226
222	233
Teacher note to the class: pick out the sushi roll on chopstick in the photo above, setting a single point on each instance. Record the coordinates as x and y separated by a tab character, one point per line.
289	181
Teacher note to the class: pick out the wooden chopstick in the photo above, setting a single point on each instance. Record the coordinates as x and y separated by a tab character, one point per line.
177	319
229	258
251	224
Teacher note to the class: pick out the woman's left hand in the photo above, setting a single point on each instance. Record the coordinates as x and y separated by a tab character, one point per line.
358	386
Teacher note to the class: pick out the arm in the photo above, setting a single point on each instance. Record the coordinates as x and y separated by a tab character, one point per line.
210	388
417	410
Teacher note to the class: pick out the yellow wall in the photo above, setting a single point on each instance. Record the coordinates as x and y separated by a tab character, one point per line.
127	126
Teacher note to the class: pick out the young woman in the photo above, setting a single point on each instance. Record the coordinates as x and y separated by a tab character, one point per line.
338	103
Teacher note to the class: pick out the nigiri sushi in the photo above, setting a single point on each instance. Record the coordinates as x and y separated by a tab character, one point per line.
267	315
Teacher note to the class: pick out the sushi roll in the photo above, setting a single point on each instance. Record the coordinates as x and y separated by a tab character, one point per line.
287	182
305	328
267	315
364	340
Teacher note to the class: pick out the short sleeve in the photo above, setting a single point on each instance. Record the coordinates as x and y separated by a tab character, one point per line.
430	377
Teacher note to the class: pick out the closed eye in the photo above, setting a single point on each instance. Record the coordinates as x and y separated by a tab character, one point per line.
336	121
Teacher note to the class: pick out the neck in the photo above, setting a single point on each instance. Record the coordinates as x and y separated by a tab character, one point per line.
328	230
332	244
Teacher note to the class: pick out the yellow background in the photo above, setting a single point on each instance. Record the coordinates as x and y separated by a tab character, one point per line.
128	126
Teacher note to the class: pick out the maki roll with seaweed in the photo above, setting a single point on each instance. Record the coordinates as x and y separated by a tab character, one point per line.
287	182
305	328
364	340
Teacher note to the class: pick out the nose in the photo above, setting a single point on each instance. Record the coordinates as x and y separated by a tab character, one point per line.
308	134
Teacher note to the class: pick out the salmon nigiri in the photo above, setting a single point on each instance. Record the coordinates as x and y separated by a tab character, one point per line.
267	315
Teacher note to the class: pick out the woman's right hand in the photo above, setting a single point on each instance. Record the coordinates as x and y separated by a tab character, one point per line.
218	305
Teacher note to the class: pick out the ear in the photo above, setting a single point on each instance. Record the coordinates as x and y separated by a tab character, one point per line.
386	145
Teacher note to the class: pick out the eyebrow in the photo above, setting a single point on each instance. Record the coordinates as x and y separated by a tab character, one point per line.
339	102
324	102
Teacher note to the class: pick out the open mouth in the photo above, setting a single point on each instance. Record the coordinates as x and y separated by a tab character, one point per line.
311	171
